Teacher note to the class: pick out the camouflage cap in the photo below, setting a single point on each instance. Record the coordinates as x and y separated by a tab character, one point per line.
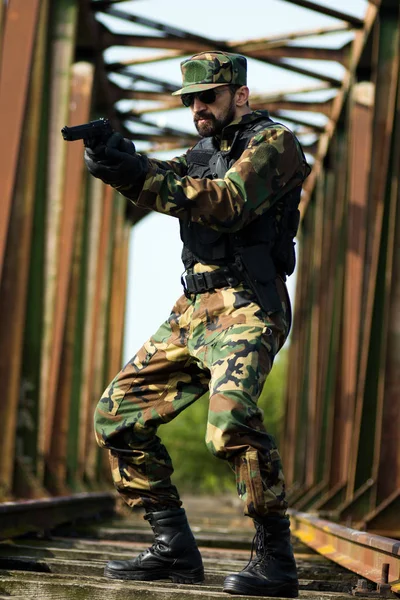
211	69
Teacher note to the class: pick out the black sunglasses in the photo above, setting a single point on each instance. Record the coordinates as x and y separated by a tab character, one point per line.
206	96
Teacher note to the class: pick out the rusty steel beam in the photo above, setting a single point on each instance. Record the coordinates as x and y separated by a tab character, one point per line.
169	31
257	102
103	290
117	301
333	468
360	143
130	62
172	32
63	30
384	107
16	57
302	52
190	46
96	202
297	121
282	39
313	424
17	518
301	71
242	46
324	108
179	39
105	88
389	481
80	98
14	281
165	86
386	464
360	552
330	12
187	46
276	96
97	341
358	44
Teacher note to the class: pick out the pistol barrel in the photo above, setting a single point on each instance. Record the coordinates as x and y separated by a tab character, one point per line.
99	129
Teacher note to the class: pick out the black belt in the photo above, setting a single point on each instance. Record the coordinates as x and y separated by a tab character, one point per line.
198	283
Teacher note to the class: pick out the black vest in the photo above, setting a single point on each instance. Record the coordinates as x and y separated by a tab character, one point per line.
261	250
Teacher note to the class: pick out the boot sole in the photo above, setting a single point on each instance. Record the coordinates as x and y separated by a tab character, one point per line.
189	577
283	590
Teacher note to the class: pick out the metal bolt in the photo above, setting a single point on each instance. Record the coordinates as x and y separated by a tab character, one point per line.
361	588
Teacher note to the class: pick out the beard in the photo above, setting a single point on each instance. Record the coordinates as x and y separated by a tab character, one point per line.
213	126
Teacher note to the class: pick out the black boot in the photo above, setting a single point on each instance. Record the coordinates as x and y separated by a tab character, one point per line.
174	554
273	572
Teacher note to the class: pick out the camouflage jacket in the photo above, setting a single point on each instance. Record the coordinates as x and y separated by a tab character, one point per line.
270	167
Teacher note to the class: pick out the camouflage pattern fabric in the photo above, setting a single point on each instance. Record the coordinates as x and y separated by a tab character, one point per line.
271	166
219	341
211	69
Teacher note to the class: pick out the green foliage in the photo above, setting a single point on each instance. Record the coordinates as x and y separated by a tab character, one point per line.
272	399
196	470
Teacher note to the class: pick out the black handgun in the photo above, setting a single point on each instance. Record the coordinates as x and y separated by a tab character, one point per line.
92	133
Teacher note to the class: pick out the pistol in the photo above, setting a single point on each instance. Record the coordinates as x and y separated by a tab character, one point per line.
91	133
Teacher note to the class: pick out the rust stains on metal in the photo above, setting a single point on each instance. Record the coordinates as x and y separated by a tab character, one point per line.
361	552
16	58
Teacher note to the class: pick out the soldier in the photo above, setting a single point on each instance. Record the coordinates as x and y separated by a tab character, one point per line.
236	194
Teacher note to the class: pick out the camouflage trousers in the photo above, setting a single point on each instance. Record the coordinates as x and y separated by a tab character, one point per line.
219	341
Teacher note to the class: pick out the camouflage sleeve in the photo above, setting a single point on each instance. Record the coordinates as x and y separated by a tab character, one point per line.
272	165
177	165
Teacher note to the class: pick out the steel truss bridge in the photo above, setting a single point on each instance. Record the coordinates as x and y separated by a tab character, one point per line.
64	247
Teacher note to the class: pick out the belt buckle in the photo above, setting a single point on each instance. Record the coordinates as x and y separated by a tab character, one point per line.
200	282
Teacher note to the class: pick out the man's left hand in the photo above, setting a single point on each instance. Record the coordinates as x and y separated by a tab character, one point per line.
116	162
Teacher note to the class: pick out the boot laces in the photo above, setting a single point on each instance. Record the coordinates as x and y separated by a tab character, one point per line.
155	545
259	544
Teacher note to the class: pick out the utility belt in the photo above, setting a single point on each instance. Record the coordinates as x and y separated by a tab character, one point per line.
266	291
199	283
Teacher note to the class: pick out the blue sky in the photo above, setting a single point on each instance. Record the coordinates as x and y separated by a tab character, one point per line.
154	256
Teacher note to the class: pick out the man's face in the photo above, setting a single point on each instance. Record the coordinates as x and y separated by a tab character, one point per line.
210	119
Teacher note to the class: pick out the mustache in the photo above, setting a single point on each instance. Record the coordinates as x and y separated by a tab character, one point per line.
202	115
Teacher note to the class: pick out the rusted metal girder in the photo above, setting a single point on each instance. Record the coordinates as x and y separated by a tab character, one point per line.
27	516
364	462
16	57
273	51
303	52
15	274
63	30
330	12
360	552
166	103
191	47
276	41
81	92
356	51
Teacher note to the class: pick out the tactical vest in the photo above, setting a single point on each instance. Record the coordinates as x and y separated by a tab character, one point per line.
259	251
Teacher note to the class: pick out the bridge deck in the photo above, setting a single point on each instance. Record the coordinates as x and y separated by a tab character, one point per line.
69	563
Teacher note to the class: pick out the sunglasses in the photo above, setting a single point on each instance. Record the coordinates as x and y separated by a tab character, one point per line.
206	96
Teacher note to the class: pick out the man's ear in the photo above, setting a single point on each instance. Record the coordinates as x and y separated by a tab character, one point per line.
242	95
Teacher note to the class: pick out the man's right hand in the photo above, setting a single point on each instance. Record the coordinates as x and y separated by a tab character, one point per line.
116	162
